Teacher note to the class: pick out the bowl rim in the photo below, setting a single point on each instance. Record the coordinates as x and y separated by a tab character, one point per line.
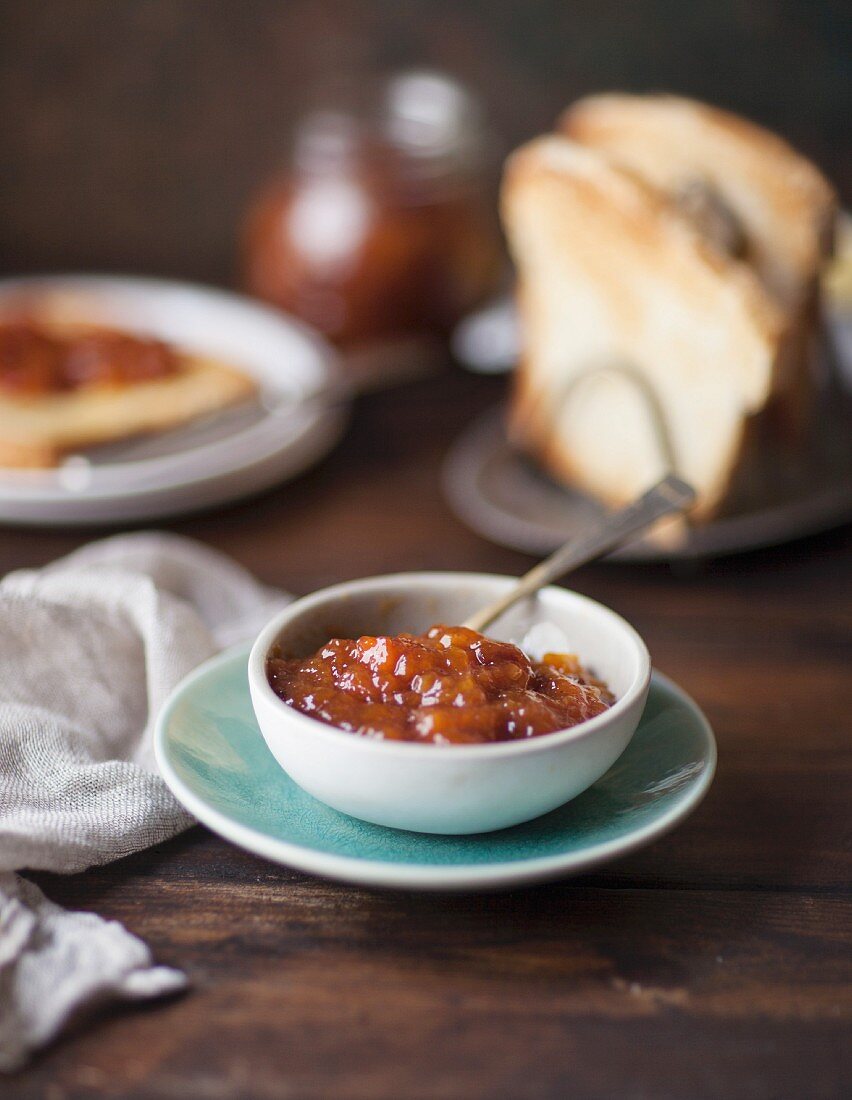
334	736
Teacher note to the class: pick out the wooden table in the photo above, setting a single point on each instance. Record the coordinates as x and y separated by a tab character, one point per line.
714	964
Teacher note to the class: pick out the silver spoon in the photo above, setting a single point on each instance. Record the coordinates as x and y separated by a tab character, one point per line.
672	494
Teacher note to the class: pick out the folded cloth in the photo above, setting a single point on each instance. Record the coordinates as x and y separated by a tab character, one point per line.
90	647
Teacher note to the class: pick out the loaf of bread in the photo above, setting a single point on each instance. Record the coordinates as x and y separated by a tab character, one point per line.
668	258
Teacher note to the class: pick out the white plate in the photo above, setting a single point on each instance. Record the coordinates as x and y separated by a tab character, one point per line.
205	463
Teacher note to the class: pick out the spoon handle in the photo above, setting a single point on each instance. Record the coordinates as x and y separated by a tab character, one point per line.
667	496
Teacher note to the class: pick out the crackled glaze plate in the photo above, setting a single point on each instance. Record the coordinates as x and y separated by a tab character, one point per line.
214	759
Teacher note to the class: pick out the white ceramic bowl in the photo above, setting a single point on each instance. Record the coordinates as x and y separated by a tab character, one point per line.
448	788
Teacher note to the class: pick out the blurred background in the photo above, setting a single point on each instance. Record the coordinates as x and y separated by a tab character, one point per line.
133	133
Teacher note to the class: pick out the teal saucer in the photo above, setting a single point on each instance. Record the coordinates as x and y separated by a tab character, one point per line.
213	757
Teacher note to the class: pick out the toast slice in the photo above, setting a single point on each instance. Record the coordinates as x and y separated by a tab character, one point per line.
39	430
610	272
768	204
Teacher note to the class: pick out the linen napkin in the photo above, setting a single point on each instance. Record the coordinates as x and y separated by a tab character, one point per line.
90	647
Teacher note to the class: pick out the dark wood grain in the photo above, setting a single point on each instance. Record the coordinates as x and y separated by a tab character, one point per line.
715	963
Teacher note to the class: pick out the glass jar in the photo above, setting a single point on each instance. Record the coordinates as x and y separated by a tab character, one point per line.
383	225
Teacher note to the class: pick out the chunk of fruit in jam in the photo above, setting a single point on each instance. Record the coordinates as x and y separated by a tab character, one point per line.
450	685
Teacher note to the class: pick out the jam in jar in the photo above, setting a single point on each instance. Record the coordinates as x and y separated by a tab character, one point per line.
450	685
383	226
